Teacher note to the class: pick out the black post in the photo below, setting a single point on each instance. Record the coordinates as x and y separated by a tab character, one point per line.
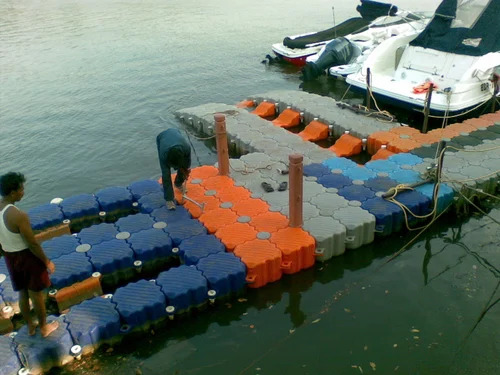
368	88
427	108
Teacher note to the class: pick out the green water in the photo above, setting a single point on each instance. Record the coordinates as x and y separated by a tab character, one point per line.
85	86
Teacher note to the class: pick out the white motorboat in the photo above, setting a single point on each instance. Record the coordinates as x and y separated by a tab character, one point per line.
295	49
457	53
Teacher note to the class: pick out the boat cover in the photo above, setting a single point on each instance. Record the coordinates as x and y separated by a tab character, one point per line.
464	27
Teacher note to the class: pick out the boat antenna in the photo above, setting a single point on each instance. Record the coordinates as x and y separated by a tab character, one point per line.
334	26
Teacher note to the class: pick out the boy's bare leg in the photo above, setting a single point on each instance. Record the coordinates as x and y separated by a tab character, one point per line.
39	304
24	306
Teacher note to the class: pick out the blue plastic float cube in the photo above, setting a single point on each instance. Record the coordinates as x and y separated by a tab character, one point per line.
445	196
80	206
93	321
62	245
48	352
405	159
339	163
184	229
388	216
10	364
381	166
316	170
224	271
71	268
192	249
356	193
45	216
140	302
170	216
418	203
150	202
150	244
405	176
135	223
9	295
359	173
183	286
97	233
114	198
144	187
380	184
110	256
334	180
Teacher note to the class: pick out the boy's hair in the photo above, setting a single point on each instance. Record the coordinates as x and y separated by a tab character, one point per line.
10	182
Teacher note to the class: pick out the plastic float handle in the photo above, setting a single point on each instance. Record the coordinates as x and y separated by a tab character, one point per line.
286	265
250	279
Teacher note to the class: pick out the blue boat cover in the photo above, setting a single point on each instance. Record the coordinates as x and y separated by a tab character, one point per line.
192	249
150	244
181	230
62	245
45	216
110	256
183	286
114	198
135	223
80	206
71	268
97	233
93	321
45	352
224	271
140	302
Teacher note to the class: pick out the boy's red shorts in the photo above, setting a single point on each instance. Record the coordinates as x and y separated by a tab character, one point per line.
27	271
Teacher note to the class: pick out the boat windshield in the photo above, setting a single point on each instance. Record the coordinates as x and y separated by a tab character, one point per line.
468	12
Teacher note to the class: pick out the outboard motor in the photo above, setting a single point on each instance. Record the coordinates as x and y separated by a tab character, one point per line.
339	51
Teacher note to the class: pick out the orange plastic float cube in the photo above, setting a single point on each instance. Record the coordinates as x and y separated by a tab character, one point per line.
297	249
250	207
234	234
382	153
263	261
377	139
218	183
269	222
217	218
347	145
462	128
211	203
404	130
246	104
402	145
493	117
78	292
314	131
287	119
233	194
479	122
203	172
265	109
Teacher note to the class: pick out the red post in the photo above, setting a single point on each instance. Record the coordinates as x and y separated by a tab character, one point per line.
221	139
295	168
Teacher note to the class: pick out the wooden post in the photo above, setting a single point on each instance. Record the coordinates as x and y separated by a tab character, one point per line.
295	181
368	88
427	108
221	140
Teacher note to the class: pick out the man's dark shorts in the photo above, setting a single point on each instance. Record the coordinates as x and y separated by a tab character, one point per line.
27	271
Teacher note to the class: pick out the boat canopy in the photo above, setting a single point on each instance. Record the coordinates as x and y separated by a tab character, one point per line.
464	27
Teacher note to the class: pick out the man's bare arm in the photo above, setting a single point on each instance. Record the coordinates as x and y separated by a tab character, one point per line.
23	223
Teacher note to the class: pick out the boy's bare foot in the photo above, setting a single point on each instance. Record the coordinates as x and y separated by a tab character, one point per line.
32	328
49	328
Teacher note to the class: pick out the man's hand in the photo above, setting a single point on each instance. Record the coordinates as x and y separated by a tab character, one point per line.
51	267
